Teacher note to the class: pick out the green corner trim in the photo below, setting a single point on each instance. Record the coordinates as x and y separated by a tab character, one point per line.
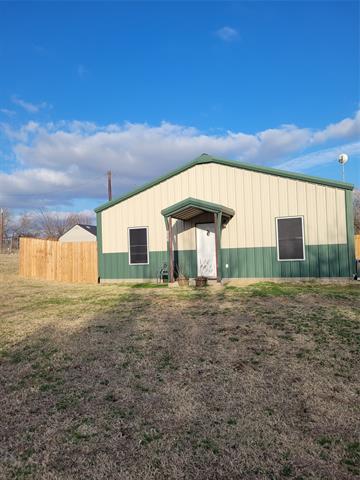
99	245
350	230
204	158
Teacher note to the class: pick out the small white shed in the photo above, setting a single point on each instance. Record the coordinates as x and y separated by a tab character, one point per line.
79	233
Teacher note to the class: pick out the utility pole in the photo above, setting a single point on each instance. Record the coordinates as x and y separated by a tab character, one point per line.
1	229
109	185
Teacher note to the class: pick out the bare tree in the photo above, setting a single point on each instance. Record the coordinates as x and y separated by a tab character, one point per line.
52	224
14	227
6	222
25	226
356	198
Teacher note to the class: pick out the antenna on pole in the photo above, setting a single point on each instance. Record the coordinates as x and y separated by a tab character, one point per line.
343	158
109	185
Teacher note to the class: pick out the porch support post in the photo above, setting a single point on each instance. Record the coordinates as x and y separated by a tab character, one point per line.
167	242
217	222
171	253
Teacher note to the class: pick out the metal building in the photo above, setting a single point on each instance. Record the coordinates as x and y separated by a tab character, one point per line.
228	220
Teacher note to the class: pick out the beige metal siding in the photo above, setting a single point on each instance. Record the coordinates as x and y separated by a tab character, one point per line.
257	199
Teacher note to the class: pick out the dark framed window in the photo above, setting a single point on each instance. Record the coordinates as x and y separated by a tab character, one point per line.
290	238
138	246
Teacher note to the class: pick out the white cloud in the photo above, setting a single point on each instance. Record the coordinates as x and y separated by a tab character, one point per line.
228	34
130	148
322	157
29	107
347	128
20	134
59	162
7	112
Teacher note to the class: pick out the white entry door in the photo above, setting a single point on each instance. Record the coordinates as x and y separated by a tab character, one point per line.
206	250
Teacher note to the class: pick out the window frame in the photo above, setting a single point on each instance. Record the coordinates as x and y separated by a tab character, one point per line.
277	239
147	245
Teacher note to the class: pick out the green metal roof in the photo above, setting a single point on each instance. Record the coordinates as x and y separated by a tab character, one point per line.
205	158
190	207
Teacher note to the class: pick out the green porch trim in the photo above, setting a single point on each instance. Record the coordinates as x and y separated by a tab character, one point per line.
204	158
350	229
260	262
192	207
196	203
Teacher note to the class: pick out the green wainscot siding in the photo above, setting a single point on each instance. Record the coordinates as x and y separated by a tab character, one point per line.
320	261
185	262
116	265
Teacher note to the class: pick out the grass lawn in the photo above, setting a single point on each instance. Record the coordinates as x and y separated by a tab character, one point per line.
114	382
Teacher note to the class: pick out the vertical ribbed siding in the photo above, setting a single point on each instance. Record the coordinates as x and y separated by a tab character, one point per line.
265	265
115	266
249	239
257	199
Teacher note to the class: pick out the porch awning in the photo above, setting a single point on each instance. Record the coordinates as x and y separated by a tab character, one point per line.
192	207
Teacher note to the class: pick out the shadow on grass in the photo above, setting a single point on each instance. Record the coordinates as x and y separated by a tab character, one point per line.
181	383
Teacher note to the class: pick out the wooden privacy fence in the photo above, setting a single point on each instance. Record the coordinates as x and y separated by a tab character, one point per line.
357	246
65	262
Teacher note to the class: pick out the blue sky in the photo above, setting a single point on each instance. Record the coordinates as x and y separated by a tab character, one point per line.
142	88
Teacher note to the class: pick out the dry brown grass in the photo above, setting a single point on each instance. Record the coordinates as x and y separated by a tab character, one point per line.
110	382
